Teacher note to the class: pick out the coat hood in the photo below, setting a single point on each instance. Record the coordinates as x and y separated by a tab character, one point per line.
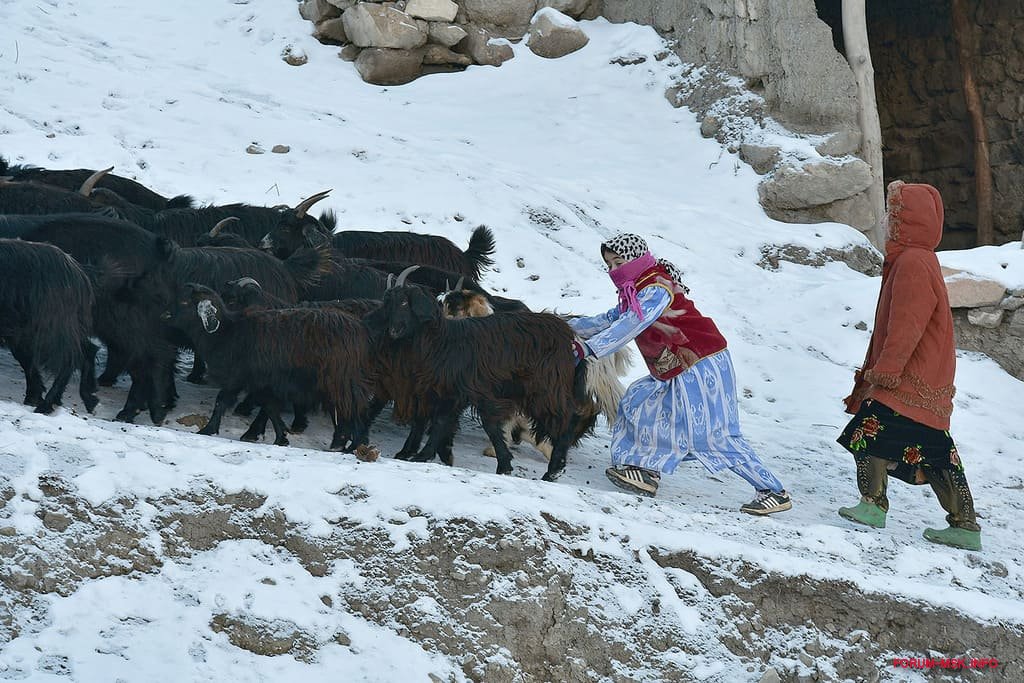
915	215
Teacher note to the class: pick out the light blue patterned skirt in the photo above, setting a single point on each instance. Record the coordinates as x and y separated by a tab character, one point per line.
693	416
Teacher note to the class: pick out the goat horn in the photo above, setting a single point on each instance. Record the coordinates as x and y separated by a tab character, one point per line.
391	280
215	230
91	181
303	207
458	285
404	274
247	282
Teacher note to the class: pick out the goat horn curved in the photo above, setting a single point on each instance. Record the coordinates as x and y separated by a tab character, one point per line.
404	274
248	282
91	181
391	280
215	230
458	285
303	207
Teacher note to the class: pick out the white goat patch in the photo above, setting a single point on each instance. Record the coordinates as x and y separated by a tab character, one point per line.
208	314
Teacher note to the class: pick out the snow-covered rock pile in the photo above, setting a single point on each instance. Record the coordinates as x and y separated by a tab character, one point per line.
393	43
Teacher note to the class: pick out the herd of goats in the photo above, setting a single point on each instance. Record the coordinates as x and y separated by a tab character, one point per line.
284	313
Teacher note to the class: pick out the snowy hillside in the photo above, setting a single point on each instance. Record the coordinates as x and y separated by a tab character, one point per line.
139	553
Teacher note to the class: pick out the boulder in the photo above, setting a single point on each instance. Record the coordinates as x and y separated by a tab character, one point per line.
342	4
445	34
349	52
988	318
371	25
797	187
432	10
512	13
573	8
439	54
761	159
1017	324
384	66
970	292
709	126
318	10
553	34
331	32
840	144
484	48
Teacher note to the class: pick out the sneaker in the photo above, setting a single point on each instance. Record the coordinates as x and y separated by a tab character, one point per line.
955	537
635	479
768	502
865	512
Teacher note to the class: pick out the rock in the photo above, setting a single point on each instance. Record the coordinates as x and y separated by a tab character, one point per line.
553	34
796	187
254	148
840	144
1017	324
371	25
761	159
513	13
1011	303
862	326
56	521
990	318
294	57
484	49
859	257
331	32
770	676
439	54
432	10
710	126
573	8
318	10
968	292
445	34
342	4
280	149
349	52
383	66
806	659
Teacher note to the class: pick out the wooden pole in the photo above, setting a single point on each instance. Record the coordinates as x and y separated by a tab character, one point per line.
964	35
858	54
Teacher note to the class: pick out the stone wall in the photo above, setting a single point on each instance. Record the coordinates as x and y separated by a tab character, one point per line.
783	53
926	131
988	318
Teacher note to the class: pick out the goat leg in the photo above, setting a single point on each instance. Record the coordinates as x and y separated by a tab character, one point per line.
559	451
140	387
33	380
300	420
258	427
273	408
494	428
116	365
87	376
225	399
442	426
245	408
412	442
60	382
198	369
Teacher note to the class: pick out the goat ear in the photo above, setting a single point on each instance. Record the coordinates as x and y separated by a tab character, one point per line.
208	315
423	307
313	236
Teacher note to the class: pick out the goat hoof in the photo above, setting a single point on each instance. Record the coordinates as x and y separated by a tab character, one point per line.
127	416
552	476
422	457
251	438
90	402
106	380
44	408
298	426
32	400
281	442
210	431
504	470
195	379
403	455
447	459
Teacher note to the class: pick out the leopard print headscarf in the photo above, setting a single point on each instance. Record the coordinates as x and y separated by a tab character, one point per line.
630	247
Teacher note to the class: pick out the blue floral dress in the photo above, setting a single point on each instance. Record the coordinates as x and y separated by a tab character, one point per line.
693	416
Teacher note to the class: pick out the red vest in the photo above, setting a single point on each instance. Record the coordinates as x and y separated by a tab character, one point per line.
680	336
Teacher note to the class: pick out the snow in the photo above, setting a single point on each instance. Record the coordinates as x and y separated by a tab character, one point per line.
557	19
554	156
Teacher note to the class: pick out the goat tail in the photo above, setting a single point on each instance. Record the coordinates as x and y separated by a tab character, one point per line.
309	264
478	253
182	201
603	385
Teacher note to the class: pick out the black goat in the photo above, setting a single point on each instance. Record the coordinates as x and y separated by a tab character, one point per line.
296	355
298	228
46	305
37	198
132	283
498	365
73	179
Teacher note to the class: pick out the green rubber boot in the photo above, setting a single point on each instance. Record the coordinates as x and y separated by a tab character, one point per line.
866	513
955	537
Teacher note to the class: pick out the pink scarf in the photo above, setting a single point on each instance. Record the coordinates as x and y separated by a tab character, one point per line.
625	277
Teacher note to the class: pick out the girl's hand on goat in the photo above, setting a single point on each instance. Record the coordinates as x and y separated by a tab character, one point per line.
579	350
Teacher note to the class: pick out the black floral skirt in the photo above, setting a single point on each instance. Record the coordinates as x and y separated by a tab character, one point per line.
877	430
